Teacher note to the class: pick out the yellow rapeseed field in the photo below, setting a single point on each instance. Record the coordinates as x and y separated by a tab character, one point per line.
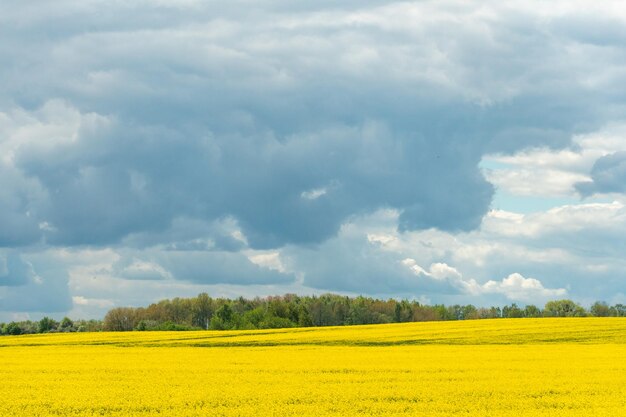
505	367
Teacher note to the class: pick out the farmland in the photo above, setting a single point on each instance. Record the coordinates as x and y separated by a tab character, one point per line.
538	367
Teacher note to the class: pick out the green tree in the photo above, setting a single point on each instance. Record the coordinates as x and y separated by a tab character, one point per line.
46	324
469	312
202	311
403	311
454	312
512	311
254	317
218	324
13	329
225	314
600	309
120	319
532	311
66	324
563	308
618	310
304	316
275	322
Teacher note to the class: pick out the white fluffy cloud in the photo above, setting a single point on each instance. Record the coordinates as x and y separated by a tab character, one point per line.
545	172
450	278
515	287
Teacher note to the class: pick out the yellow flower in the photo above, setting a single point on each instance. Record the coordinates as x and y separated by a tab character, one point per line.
505	367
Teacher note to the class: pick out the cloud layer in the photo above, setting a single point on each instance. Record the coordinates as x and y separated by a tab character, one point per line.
254	145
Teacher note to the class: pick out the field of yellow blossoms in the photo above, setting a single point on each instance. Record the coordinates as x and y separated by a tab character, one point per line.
503	367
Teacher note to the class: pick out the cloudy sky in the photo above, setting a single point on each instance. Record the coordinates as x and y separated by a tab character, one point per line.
444	151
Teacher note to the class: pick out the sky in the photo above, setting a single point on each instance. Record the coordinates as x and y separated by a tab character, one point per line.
440	151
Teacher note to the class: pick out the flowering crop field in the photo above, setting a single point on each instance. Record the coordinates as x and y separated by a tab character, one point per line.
503	367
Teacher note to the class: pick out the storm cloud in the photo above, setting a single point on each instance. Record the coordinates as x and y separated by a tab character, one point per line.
608	175
196	135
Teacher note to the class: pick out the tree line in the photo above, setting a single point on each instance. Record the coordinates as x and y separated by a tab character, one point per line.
290	310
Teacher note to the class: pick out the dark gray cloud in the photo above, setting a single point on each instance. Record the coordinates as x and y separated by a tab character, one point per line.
18	195
221	268
608	175
14	271
197	266
351	264
23	288
206	128
208	113
110	183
